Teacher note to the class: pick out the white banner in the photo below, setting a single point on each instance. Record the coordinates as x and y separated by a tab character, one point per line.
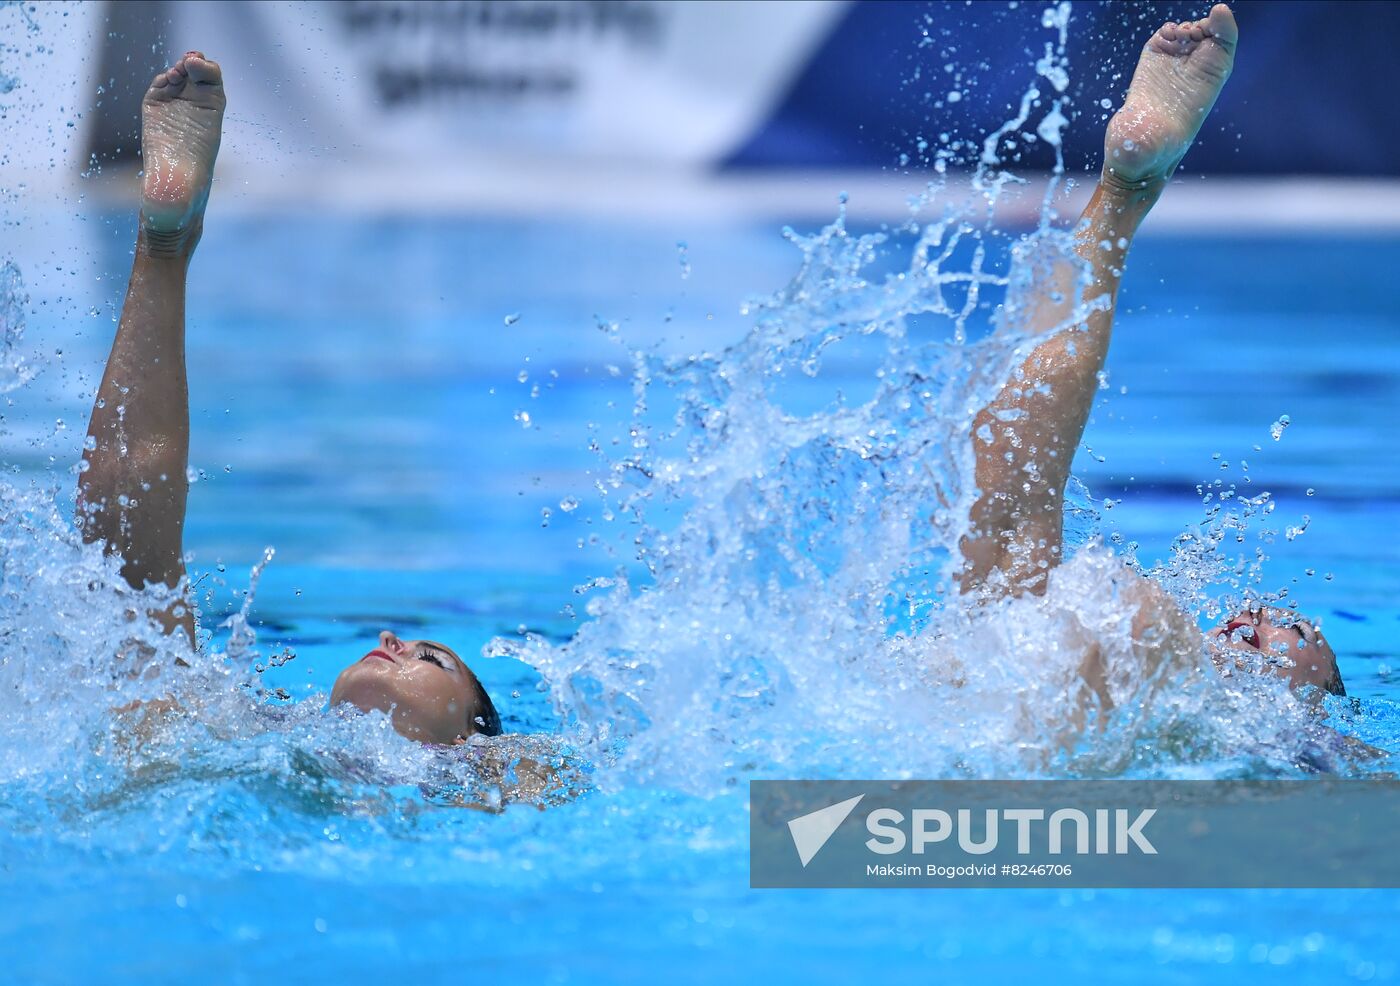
482	87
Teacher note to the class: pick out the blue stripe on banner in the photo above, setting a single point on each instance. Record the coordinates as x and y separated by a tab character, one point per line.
1312	91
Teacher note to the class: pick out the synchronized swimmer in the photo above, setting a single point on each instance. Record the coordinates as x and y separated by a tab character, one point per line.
133	491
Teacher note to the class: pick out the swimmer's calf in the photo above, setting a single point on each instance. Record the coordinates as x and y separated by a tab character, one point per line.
133	487
132	490
1035	424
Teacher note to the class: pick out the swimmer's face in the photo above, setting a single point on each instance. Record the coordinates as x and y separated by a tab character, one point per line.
430	694
1305	657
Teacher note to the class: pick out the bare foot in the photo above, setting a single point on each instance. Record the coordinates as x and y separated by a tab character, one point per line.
181	120
1181	72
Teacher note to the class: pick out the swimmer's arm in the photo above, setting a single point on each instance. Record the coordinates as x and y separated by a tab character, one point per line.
1037	420
132	492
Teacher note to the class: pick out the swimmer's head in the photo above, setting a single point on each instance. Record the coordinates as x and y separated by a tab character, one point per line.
1289	647
429	692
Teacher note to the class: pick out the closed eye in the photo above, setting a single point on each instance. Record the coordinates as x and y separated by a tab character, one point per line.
434	657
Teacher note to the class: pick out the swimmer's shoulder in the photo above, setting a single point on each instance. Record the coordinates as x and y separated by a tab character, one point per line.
521	768
1156	614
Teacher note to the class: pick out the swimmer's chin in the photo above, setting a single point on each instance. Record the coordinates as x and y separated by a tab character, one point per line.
364	691
365	688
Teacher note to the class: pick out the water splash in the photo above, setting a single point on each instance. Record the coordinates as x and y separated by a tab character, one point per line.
130	716
787	603
105	711
15	369
799	616
8	82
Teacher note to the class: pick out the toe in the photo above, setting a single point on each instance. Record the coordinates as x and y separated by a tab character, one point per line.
169	83
1168	32
203	71
1221	26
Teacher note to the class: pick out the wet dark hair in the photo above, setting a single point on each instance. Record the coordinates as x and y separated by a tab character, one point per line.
482	718
1308	632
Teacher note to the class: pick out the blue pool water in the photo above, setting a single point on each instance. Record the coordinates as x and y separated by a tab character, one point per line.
359	407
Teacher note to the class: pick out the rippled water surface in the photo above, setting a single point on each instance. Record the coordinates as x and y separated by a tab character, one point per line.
420	464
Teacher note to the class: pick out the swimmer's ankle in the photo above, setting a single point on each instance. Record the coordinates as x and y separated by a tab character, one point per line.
1114	184
1128	202
176	244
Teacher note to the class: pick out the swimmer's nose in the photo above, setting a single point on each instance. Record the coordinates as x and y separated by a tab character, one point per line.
389	642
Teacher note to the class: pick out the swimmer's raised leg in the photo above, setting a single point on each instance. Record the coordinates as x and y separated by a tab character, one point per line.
1037	420
133	488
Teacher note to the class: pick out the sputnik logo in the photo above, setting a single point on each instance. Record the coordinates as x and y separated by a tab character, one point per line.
811	831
